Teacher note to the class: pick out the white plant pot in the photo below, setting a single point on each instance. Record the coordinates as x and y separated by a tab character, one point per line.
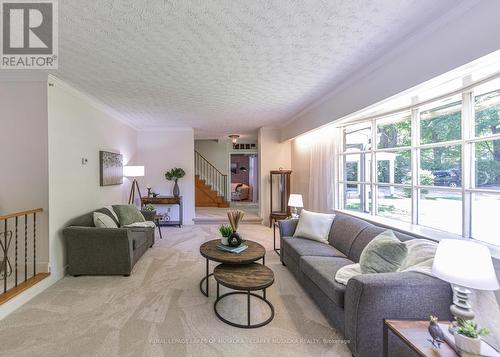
467	344
224	240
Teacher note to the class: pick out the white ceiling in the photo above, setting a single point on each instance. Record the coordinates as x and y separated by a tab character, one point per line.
224	66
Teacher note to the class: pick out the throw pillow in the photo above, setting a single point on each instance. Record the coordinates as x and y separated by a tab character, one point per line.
102	220
128	214
384	254
315	226
113	213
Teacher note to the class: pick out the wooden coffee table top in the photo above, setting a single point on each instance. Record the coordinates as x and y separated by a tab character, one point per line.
244	277
254	252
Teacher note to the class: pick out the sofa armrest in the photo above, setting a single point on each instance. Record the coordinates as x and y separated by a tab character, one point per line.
287	227
371	298
98	251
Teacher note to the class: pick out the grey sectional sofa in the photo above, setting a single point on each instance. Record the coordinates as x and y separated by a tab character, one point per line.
358	310
104	251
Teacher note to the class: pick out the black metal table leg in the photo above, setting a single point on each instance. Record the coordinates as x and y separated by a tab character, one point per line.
264	260
248	307
205	279
159	228
248	324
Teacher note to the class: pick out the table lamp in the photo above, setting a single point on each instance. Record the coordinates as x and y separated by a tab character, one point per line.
295	201
466	265
134	172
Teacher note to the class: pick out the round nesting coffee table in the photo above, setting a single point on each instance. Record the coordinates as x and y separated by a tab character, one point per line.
209	251
245	278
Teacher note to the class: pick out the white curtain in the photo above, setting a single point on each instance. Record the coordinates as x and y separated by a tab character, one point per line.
323	171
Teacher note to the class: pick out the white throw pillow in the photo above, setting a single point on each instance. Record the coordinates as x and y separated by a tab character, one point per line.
102	220
315	226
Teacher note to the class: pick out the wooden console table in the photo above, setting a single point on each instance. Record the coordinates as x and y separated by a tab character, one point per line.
166	200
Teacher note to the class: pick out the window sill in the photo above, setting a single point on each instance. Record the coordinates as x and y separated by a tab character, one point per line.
416	230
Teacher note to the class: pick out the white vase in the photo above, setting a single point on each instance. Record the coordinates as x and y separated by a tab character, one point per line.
224	241
467	344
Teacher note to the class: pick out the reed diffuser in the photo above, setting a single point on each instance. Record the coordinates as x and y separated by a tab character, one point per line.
235	217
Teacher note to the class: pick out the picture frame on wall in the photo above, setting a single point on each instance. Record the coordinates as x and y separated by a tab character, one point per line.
110	168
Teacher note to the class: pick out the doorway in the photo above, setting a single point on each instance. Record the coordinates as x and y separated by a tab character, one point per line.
245	182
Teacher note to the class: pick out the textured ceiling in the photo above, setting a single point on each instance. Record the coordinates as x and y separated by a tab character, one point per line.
224	66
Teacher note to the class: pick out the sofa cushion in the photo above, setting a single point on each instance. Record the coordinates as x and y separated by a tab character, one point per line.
344	231
298	247
315	226
322	270
128	214
384	254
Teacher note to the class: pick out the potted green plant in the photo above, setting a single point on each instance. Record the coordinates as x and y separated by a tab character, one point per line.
174	175
225	231
468	336
149	212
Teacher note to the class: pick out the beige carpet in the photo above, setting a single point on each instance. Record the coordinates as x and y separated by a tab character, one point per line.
159	311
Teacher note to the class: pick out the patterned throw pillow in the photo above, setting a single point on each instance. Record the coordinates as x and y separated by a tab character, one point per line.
102	220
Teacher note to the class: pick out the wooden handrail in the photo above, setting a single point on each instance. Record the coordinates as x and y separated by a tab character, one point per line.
208	162
21	213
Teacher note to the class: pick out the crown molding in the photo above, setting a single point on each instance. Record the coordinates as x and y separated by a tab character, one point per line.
53	80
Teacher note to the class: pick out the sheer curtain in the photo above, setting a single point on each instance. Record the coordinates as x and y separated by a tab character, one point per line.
323	168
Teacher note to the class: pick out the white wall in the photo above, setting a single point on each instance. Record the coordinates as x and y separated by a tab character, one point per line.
24	180
160	151
216	152
272	155
79	127
460	37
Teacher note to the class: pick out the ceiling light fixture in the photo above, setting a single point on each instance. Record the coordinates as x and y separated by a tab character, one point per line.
234	138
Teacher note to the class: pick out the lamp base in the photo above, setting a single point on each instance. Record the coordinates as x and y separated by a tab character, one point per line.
295	213
461	309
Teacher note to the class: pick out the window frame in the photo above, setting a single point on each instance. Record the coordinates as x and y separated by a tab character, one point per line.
467	140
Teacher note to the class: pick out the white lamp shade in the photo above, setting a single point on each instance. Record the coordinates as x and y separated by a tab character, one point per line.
465	263
133	171
295	200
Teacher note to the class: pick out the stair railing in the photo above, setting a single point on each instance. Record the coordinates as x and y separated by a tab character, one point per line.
211	175
18	249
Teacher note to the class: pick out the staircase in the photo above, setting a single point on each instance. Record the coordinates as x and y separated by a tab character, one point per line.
211	186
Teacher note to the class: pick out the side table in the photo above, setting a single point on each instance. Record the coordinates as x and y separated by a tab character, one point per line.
415	335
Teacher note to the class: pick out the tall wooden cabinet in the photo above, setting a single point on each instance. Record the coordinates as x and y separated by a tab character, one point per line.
280	192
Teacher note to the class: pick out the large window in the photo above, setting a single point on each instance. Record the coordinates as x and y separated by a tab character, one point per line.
435	164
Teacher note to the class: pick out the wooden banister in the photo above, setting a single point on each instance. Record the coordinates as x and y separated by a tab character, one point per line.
18	214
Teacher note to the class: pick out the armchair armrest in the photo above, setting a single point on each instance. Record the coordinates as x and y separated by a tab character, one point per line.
287	227
371	298
92	250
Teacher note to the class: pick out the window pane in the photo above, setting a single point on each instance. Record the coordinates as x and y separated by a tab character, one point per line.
488	164
441	210
441	124
441	166
485	208
357	137
394	133
357	167
394	202
487	108
357	198
393	167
